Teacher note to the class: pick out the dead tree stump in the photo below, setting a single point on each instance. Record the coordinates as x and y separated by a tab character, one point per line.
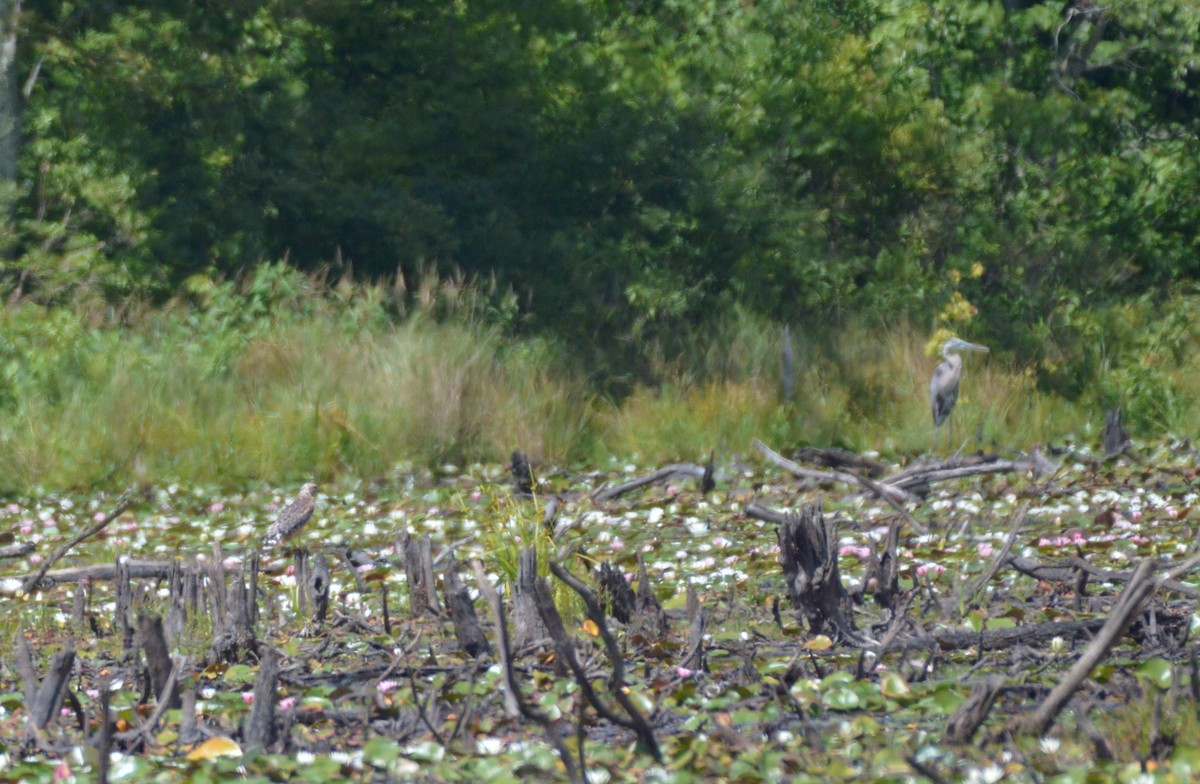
651	619
124	612
260	726
466	623
236	635
316	585
808	554
1116	440
158	658
530	630
615	592
53	690
522	473
418	566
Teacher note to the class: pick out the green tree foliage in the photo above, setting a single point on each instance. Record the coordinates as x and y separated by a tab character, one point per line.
632	170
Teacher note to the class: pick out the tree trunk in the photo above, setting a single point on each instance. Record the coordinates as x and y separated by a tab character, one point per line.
10	97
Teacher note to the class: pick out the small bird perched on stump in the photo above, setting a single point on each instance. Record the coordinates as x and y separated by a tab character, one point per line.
292	518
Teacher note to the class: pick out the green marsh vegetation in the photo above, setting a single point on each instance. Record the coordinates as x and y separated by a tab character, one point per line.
279	376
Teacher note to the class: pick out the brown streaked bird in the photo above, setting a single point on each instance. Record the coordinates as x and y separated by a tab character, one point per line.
943	387
292	518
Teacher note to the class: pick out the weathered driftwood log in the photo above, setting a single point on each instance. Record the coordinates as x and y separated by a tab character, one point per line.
692	470
818	477
34	580
808	554
529	631
1031	634
17	550
462	612
970	716
835	458
1139	588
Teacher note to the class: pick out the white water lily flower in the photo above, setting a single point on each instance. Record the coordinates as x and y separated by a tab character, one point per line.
1049	745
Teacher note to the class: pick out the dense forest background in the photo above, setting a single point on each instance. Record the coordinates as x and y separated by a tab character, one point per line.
618	177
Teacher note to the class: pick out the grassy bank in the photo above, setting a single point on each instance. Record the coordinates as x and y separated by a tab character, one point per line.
278	379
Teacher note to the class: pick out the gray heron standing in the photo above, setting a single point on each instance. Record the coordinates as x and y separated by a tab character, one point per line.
943	387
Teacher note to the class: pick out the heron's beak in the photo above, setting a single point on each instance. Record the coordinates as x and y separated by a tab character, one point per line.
975	347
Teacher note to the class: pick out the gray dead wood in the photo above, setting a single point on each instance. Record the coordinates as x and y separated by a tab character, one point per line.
138	570
832	457
103	739
19	550
83	592
124	602
462	612
235	636
569	656
616	593
881	578
661	475
418	566
996	639
316	586
528	629
260	726
788	367
696	657
254	566
997	562
1116	441
808	555
522	473
53	689
158	657
144	734
1068	570
708	482
616	684
176	618
970	716
512	694
1140	587
514	704
651	618
23	653
301	556
33	580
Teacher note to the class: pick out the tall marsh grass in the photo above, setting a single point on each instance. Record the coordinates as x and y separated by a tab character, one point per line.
280	379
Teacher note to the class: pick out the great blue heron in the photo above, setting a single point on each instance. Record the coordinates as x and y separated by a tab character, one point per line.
292	518
943	387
